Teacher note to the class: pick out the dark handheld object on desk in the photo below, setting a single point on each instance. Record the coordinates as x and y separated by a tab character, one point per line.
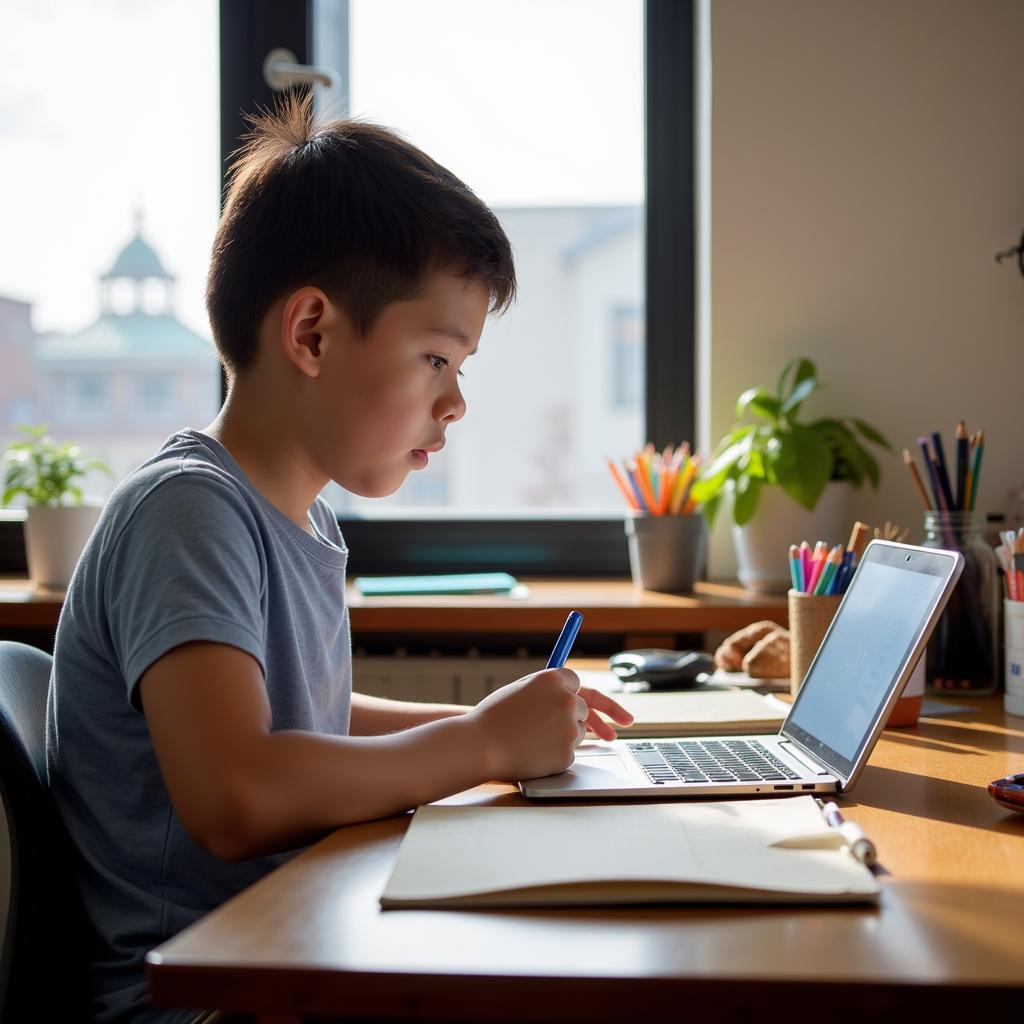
1008	792
662	670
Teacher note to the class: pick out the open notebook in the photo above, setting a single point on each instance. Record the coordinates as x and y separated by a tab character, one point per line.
700	713
762	851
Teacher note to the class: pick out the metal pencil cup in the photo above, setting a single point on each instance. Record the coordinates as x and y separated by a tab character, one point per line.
810	615
665	552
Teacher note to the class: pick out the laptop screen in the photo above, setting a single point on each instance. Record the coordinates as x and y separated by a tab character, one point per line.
872	636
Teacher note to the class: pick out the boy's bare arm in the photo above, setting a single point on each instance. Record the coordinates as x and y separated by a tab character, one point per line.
374	716
242	790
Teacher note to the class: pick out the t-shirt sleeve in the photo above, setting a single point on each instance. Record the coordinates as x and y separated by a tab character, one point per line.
188	566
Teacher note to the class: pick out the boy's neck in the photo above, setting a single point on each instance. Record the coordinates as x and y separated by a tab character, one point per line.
270	457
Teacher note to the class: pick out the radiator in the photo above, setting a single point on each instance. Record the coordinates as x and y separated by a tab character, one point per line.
444	680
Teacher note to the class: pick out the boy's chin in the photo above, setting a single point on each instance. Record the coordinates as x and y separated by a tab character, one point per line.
381	485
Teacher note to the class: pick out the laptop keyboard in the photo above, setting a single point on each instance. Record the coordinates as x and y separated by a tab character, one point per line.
711	761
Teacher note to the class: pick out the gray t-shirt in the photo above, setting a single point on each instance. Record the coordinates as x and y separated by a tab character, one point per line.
186	549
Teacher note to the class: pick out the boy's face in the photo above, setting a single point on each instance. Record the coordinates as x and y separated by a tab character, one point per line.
384	401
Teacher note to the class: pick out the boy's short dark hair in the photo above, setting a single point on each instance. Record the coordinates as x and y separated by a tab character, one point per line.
346	206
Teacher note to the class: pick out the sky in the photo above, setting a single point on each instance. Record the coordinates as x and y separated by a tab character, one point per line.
109	106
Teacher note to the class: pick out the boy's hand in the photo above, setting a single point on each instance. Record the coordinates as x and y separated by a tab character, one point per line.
599	701
532	727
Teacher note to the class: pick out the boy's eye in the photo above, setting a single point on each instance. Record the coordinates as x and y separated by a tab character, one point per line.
438	362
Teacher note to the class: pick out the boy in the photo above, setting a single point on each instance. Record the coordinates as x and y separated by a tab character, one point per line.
201	723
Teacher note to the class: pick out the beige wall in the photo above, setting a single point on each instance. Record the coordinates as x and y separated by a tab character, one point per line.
867	161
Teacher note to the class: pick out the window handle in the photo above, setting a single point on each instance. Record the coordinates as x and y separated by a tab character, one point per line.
281	71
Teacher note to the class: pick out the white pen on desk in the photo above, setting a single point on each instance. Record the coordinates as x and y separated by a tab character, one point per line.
860	846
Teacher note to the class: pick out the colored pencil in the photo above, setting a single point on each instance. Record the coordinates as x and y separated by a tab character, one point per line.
915	477
831	564
979	451
933	477
642	479
620	482
941	470
817	566
859	540
961	466
682	485
794	567
657	483
805	562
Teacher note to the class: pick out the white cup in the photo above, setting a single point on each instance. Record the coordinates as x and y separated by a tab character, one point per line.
1013	635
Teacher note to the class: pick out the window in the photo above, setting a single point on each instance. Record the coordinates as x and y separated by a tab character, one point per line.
143	204
109	206
577	532
82	397
155	396
538	106
627	355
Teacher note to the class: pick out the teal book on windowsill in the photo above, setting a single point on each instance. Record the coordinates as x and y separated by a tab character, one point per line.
458	583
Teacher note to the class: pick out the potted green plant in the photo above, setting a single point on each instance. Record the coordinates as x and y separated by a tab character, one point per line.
794	475
58	521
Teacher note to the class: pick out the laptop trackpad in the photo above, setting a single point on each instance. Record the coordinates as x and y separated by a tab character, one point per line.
598	762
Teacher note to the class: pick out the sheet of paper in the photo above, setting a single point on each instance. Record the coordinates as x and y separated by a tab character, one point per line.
458	851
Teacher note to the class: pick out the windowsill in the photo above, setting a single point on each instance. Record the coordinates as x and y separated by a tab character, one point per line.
608	605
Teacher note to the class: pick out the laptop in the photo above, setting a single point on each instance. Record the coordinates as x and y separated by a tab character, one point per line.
870	650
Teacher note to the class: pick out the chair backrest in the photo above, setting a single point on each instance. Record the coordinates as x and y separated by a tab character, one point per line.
42	963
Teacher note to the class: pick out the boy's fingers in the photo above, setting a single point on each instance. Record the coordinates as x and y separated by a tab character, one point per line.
582	711
602	702
600	727
571	679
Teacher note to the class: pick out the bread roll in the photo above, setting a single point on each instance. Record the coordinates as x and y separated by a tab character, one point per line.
730	655
769	657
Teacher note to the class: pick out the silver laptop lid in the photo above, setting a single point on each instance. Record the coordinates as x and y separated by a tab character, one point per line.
872	646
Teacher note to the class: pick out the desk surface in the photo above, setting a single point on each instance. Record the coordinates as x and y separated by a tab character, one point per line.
611	606
948	935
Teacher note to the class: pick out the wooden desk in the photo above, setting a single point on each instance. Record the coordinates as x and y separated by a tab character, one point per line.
947	937
610	606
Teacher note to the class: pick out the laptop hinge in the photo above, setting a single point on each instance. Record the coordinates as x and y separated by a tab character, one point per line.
794	751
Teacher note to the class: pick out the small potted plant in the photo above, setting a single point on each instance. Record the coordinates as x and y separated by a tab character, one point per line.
58	522
795	476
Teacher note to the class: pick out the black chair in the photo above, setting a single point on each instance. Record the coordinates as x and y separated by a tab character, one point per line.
42	964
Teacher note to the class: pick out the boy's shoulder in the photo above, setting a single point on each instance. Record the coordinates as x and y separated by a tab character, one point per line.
187	477
193	489
186	457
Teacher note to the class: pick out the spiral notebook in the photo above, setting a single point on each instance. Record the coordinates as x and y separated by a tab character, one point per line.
778	850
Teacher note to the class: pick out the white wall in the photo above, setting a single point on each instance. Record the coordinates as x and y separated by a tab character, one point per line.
867	162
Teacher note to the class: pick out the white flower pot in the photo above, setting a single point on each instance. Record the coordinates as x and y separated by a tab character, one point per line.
762	545
54	539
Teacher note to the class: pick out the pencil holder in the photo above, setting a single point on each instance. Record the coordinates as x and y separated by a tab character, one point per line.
964	650
1013	629
665	552
810	615
907	710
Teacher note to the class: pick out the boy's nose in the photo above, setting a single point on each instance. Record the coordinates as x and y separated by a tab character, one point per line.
451	406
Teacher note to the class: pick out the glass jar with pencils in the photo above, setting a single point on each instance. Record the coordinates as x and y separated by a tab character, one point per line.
964	651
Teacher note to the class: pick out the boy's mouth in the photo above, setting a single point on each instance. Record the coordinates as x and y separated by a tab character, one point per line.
421	455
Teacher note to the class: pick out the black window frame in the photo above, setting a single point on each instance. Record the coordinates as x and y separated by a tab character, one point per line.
523	543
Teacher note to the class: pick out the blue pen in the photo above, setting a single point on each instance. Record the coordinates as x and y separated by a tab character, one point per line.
563	645
842	578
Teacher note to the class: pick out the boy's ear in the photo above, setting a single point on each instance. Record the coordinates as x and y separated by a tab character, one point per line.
308	314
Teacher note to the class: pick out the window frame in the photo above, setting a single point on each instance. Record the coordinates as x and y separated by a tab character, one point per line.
573	544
